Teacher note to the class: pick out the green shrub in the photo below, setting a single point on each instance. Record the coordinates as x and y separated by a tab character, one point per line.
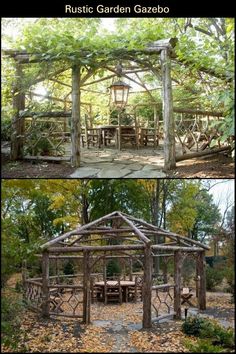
10	323
214	277
192	326
6	127
69	268
113	268
210	331
230	277
202	346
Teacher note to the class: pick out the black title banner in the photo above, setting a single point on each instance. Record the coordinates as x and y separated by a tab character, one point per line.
77	8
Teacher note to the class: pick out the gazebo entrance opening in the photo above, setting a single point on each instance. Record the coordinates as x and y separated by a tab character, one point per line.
111	260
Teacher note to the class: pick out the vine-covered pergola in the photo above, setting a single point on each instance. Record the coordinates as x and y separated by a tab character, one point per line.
161	50
114	236
164	48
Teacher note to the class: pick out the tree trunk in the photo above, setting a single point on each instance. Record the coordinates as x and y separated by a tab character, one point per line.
201	264
17	122
168	116
147	288
45	284
75	119
177	279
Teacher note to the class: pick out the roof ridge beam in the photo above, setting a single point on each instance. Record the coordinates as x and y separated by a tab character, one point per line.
136	230
167	233
75	232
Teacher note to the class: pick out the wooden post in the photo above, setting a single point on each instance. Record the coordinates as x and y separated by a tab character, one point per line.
147	288
17	122
57	271
45	284
86	286
165	268
168	116
104	268
75	119
119	131
156	126
177	280
201	265
130	269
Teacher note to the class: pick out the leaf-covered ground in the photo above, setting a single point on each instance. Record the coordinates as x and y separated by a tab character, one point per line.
114	328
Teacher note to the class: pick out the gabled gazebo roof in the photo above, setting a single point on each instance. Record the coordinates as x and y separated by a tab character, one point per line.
129	230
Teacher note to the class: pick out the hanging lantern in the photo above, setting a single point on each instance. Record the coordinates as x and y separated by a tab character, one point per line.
119	93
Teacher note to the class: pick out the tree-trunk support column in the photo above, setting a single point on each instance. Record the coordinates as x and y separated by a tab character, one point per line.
45	284
177	280
147	287
168	116
86	287
131	269
17	122
201	270
75	119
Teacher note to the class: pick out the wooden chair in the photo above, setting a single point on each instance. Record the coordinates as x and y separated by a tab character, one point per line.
92	137
96	291
109	136
112	292
135	291
149	135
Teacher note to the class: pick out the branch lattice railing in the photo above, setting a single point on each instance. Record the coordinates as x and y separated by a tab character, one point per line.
163	300
33	294
64	299
45	137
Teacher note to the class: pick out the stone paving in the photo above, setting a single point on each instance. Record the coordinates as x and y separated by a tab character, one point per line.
128	163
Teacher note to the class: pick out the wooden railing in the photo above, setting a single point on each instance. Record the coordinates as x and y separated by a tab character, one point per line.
163	301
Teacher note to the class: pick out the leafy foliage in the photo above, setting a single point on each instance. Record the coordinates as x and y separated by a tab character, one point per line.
202	71
113	268
214	277
11	309
212	334
202	346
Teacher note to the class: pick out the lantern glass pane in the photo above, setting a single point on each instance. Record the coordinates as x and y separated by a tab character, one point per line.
119	95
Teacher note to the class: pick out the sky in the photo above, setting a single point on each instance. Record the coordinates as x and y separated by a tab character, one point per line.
223	192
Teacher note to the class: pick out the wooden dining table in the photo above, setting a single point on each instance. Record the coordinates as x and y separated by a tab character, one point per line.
125	284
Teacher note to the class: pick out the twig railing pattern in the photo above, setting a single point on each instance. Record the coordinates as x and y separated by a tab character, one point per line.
163	299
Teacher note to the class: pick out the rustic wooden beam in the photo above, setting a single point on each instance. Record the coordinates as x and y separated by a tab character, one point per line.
48	158
198	112
177	281
45	284
17	123
168	116
105	231
86	286
95	248
147	287
156	287
159	45
78	230
201	265
175	248
165	232
135	229
75	118
202	153
58	114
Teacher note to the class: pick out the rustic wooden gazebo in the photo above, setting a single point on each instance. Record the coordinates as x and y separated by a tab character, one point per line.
116	235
